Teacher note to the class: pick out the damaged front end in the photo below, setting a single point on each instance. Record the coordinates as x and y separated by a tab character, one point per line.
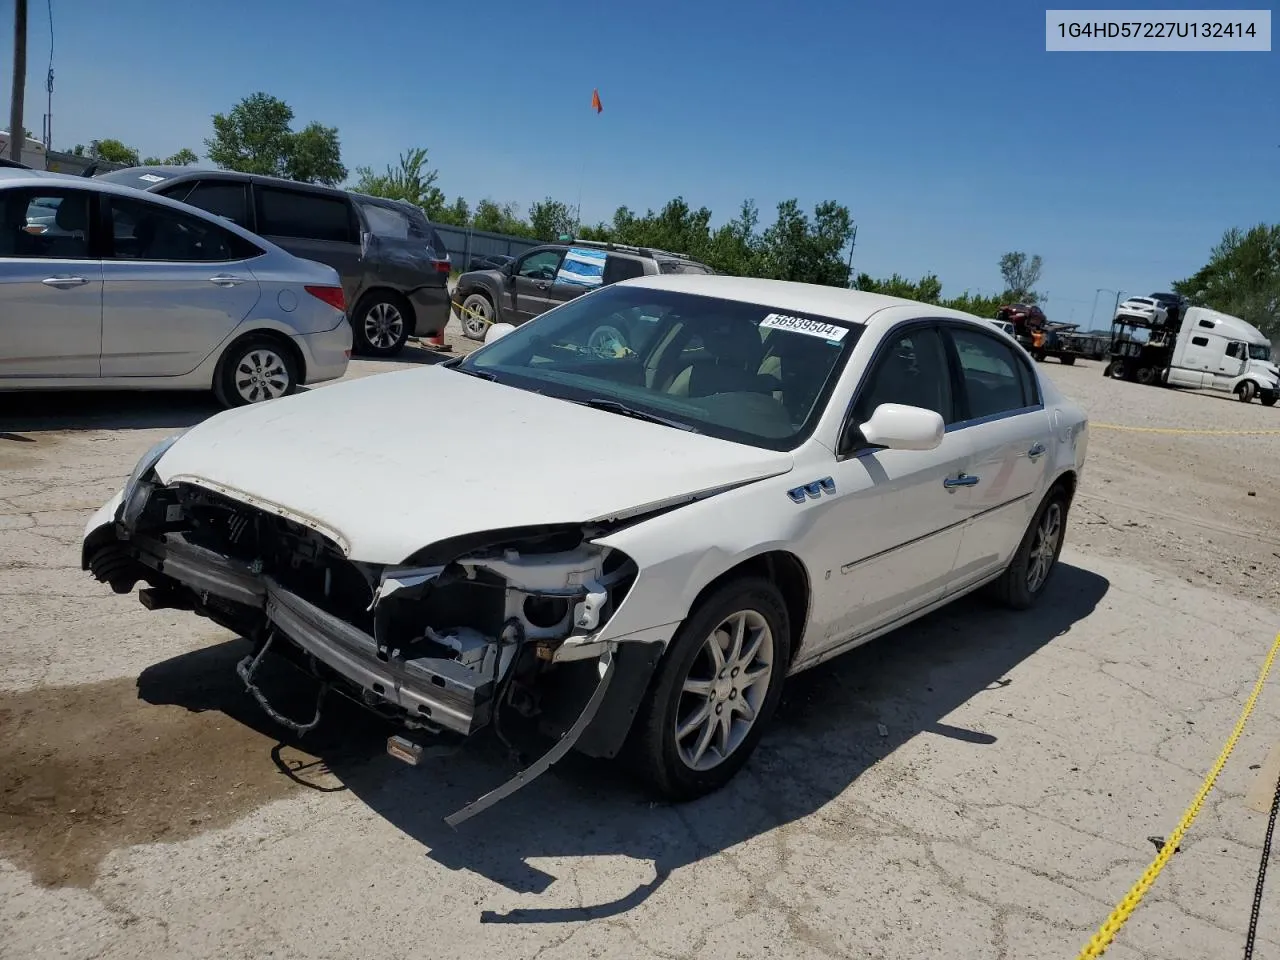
465	633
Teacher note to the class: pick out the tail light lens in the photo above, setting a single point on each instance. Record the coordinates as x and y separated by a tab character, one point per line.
443	266
333	296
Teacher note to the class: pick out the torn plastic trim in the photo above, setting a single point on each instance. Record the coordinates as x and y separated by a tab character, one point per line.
552	756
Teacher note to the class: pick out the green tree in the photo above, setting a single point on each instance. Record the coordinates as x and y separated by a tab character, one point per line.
1242	277
412	180
457	213
549	219
183	158
1021	273
928	289
113	151
809	251
255	137
500	218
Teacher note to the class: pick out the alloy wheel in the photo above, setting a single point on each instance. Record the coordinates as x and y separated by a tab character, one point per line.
724	691
383	325
476	319
1044	547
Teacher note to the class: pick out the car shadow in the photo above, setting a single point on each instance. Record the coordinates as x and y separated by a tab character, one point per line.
35	410
834	722
411	353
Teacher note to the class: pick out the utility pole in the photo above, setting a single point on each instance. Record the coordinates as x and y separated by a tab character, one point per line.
17	132
853	242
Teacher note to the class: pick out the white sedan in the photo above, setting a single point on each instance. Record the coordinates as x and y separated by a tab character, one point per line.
678	491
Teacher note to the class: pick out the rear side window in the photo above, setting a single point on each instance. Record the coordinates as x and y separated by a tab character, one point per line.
306	216
621	268
50	224
149	231
996	381
1200	341
222	198
1207	324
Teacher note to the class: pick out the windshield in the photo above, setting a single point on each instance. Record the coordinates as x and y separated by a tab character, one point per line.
744	372
1259	351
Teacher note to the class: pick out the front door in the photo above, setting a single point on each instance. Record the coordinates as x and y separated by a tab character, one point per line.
1003	415
175	287
50	285
892	521
530	284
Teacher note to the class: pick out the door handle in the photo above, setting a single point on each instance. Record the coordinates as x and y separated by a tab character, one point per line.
962	480
542	285
64	283
226	280
1036	450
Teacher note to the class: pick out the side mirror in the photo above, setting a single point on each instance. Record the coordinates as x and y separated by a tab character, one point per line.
499	330
900	427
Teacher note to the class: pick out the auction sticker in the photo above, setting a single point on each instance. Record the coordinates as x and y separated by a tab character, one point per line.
814	328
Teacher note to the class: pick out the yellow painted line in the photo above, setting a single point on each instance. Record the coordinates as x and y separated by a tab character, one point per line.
1186	431
1097	946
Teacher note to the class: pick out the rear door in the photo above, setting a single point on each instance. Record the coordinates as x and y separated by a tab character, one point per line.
50	285
175	287
529	289
1003	415
315	226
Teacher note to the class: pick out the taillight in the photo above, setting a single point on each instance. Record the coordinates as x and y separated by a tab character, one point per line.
443	266
333	296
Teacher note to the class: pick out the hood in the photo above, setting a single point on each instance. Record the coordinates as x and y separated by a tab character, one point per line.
389	464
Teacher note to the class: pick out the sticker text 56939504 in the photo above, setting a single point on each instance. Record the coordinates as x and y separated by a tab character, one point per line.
814	328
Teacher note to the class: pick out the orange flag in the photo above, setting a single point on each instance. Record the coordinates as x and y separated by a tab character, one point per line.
596	105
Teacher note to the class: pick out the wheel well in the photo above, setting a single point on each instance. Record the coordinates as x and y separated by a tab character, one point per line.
788	574
1067	483
275	337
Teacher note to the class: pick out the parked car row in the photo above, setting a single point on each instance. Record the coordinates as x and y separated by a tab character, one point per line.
102	286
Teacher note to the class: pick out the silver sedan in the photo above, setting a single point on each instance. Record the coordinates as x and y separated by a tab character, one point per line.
101	287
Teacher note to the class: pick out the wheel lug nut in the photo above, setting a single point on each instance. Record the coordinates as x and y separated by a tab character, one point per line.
719	708
735	672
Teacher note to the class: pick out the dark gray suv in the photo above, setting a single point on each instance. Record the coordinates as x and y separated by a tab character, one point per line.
393	264
553	273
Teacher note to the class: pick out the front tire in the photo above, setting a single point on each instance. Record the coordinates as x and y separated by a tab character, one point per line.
1118	370
1269	399
1067	361
381	325
255	370
715	690
1024	580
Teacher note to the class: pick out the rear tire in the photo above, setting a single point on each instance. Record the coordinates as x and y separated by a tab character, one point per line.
1146	376
476	316
255	370
381	324
1024	580
1067	361
1246	391
691	683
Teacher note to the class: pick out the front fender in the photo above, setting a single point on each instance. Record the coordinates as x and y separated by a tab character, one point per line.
679	552
469	285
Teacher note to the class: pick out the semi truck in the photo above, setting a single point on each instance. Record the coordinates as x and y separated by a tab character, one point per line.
1162	339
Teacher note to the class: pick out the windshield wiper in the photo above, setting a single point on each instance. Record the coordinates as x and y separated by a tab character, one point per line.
613	406
472	372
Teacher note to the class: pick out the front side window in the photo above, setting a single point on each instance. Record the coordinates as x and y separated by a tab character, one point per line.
699	363
540	265
48	224
1260	351
911	369
149	231
995	381
304	216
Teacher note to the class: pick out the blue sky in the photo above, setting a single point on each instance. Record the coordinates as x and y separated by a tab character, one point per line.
945	127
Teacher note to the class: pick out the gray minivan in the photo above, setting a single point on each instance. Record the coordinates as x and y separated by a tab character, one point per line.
393	264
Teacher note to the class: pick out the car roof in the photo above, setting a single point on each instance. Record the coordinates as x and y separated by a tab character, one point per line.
836	303
168	173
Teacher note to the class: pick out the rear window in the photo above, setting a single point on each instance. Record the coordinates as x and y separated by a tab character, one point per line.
306	216
682	266
621	268
394	224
